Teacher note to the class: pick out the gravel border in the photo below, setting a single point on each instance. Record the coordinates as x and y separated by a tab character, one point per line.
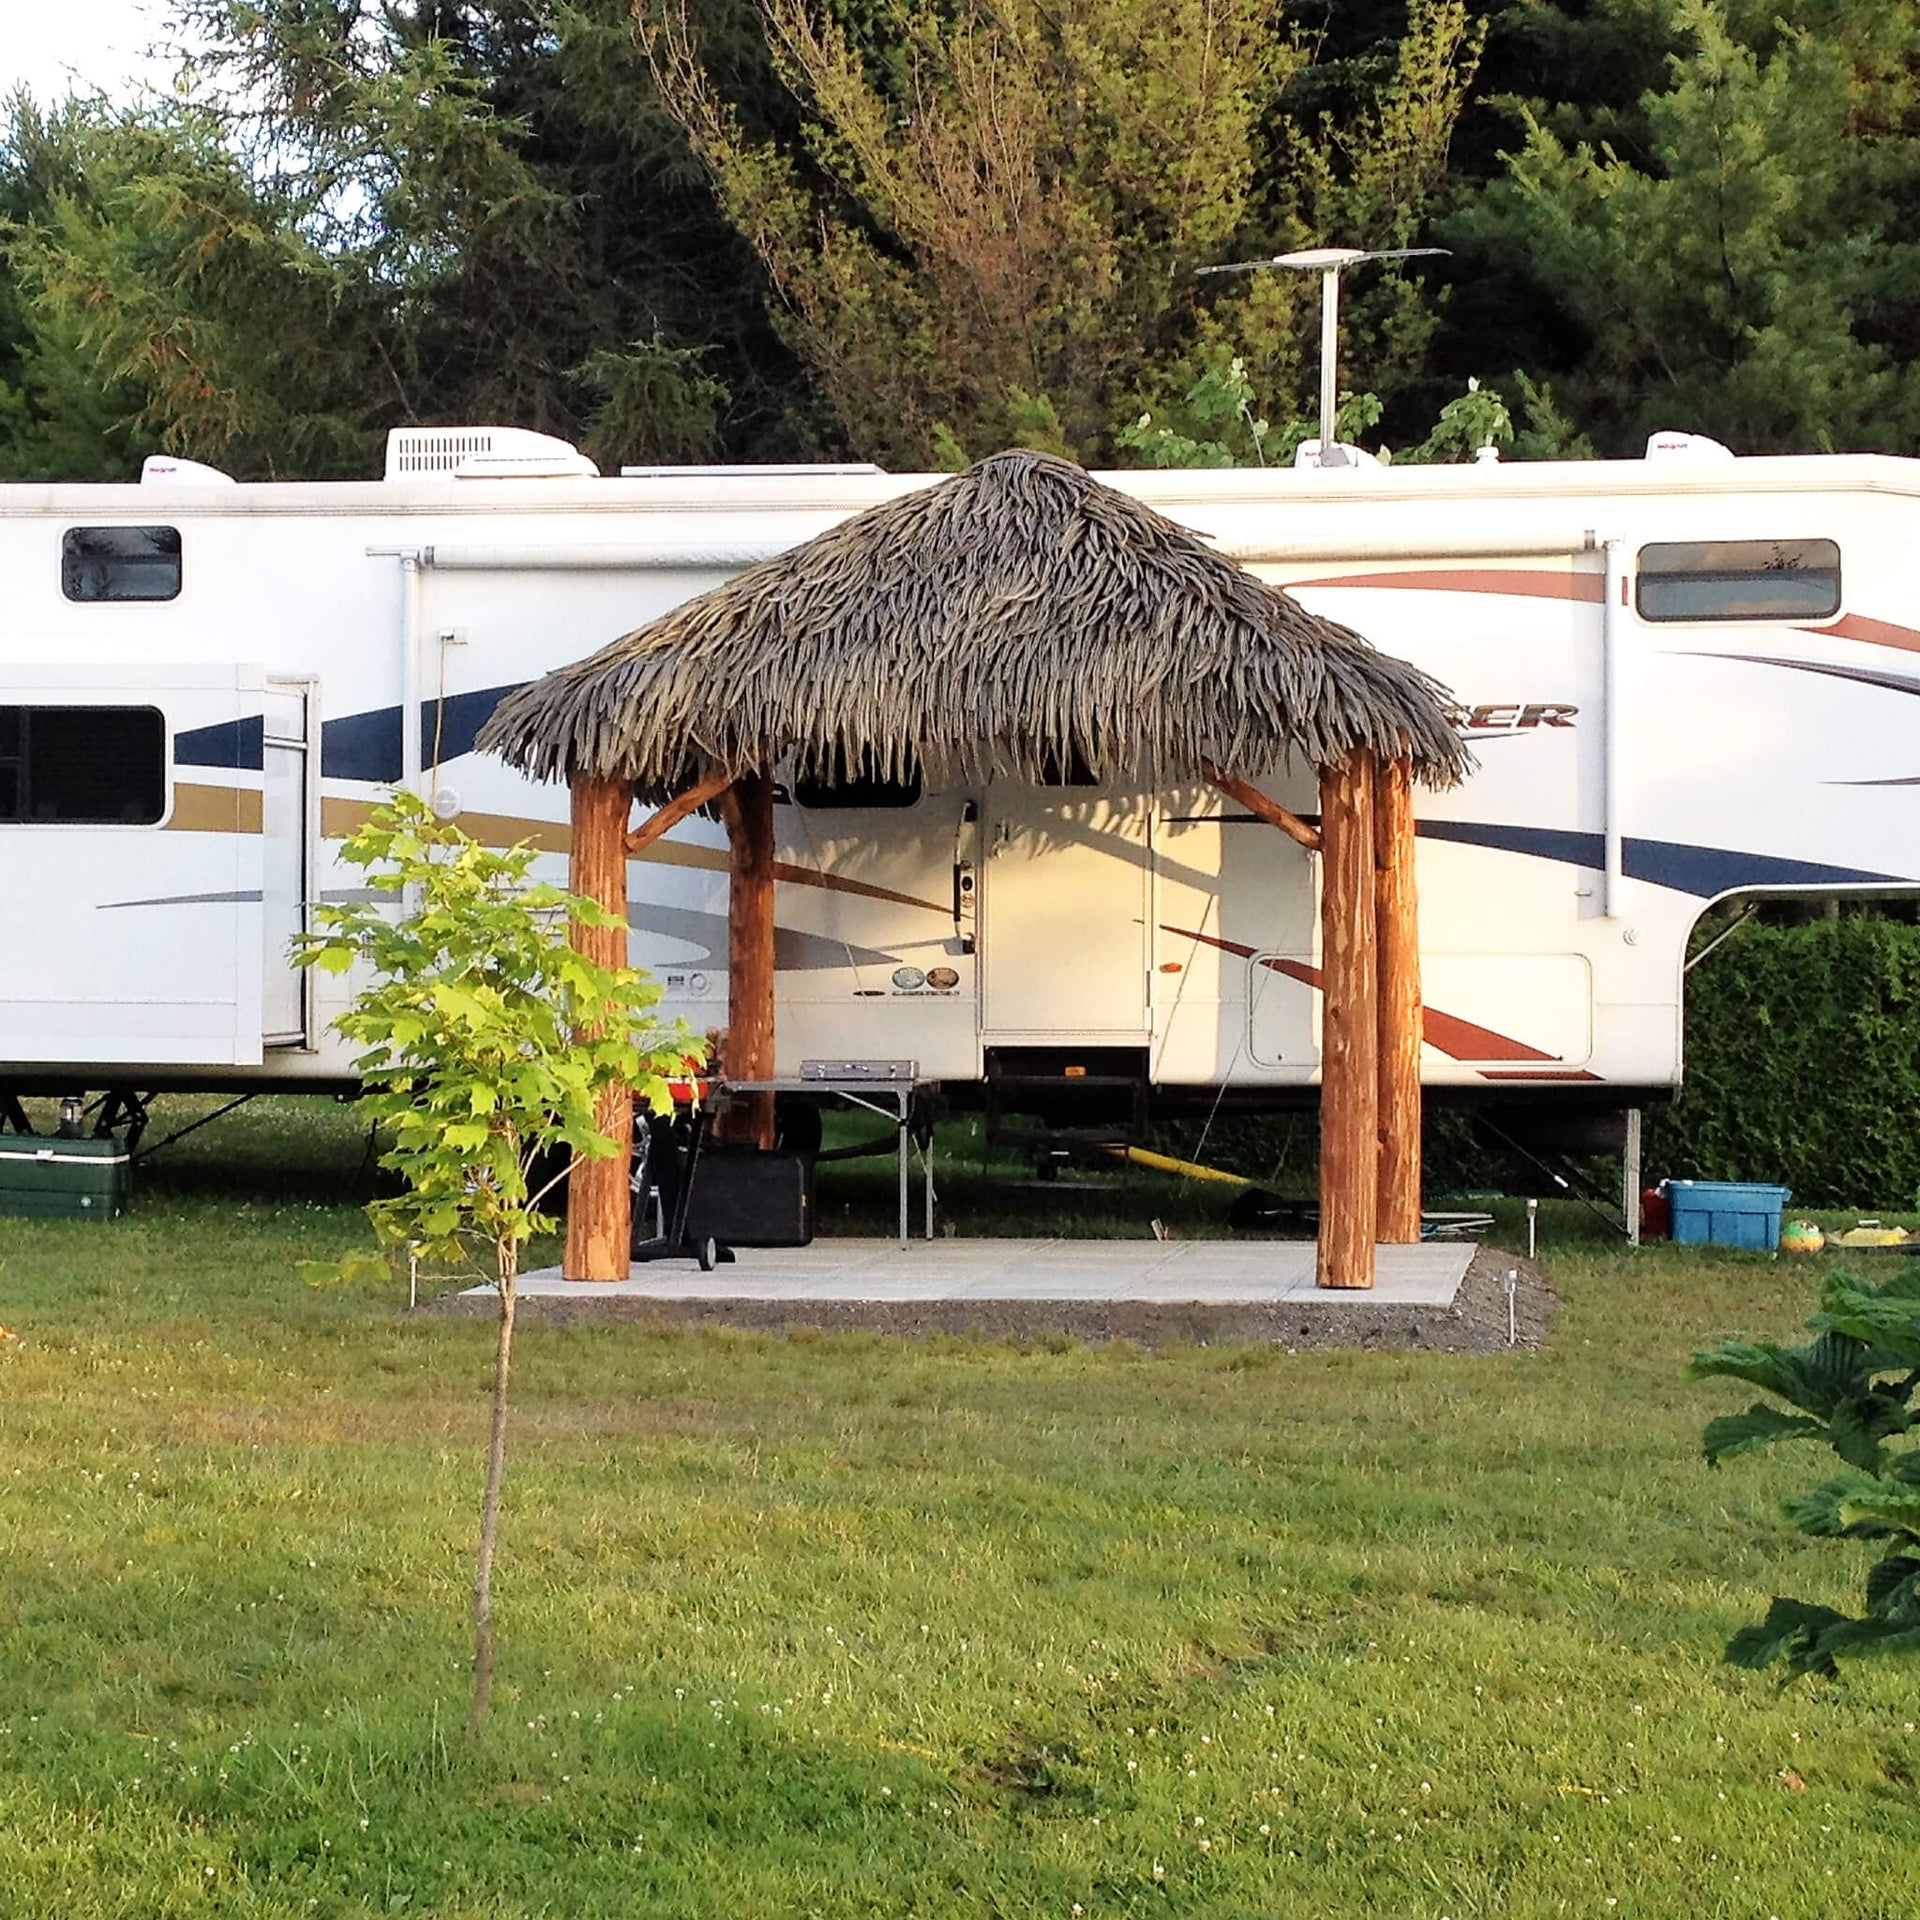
1475	1323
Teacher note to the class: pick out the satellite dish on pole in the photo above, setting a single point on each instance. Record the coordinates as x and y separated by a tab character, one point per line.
1330	263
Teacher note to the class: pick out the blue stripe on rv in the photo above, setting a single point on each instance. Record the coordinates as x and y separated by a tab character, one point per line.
366	746
239	744
1702	871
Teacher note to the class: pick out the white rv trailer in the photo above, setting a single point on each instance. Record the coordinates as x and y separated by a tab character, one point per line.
1683	677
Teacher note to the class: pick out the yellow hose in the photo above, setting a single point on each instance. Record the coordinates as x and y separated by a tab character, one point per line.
1166	1163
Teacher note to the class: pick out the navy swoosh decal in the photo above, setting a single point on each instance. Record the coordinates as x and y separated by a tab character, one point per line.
186	900
1865	676
455	722
1702	871
1543	843
239	744
362	746
793	951
366	746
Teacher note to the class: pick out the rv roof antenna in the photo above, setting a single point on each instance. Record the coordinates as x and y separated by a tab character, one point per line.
1330	263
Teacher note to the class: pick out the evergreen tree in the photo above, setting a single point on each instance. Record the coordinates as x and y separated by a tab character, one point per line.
367	214
1747	266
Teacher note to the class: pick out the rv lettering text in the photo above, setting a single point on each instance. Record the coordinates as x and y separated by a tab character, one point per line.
1511	717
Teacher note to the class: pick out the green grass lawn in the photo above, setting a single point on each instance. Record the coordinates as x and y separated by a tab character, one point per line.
850	1626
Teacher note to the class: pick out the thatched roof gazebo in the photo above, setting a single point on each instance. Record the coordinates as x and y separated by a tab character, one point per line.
1018	618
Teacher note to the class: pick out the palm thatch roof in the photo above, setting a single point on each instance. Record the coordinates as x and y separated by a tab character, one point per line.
1012	620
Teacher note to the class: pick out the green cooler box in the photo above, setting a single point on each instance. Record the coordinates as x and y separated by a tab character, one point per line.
46	1177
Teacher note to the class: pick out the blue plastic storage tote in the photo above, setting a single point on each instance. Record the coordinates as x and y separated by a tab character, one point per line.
1726	1213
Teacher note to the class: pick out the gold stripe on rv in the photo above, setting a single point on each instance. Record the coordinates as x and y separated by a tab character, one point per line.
340	817
200	809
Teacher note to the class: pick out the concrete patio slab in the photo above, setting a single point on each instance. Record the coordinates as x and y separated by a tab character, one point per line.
1149	1272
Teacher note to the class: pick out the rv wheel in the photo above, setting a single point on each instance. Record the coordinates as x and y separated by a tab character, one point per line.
707	1254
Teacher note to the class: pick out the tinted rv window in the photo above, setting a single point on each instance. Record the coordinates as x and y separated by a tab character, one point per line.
861	786
82	766
120	563
1071	772
1739	580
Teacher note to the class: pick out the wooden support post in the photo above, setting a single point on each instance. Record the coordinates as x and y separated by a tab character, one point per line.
599	1206
747	808
1349	1030
1396	916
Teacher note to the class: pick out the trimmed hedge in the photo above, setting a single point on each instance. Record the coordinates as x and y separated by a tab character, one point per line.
1802	1065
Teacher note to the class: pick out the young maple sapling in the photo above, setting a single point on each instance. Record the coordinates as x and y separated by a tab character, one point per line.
488	1043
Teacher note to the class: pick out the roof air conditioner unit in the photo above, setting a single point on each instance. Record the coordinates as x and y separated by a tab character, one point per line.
167	470
483	453
1692	447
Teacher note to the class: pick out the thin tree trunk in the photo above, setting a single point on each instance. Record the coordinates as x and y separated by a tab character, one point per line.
490	1506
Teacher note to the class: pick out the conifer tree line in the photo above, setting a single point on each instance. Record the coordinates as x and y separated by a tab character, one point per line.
914	231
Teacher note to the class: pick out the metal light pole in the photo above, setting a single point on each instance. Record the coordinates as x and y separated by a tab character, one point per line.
1330	263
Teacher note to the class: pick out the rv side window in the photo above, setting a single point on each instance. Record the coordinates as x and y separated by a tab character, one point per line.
82	766
120	563
1739	580
863	787
1073	771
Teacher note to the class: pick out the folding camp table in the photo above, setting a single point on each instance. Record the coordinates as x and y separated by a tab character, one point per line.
891	1099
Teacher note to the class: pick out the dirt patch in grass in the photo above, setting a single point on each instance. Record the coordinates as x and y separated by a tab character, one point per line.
1475	1323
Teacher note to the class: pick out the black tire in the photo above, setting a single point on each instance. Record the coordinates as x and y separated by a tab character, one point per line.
707	1254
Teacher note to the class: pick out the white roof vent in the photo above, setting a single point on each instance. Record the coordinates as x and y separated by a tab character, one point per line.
1307	454
1692	447
164	470
483	453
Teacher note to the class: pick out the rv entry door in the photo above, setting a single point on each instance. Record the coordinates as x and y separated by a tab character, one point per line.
1063	937
289	767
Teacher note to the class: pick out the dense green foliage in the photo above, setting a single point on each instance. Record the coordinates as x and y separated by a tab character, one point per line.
1485	1598
774	229
986	223
364	215
1802	1064
1853	1387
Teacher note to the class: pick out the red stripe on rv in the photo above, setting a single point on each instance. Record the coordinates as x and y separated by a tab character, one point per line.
1537	1073
1876	633
1527	583
1530	583
1445	1032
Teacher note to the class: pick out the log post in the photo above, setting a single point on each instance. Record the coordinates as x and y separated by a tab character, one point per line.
599	1205
1396	916
747	808
1349	1075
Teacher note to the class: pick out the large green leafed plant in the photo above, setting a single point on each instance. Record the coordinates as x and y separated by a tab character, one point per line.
488	1041
1852	1387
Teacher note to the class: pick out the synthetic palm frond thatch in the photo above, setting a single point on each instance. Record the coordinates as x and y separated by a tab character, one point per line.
1013	620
